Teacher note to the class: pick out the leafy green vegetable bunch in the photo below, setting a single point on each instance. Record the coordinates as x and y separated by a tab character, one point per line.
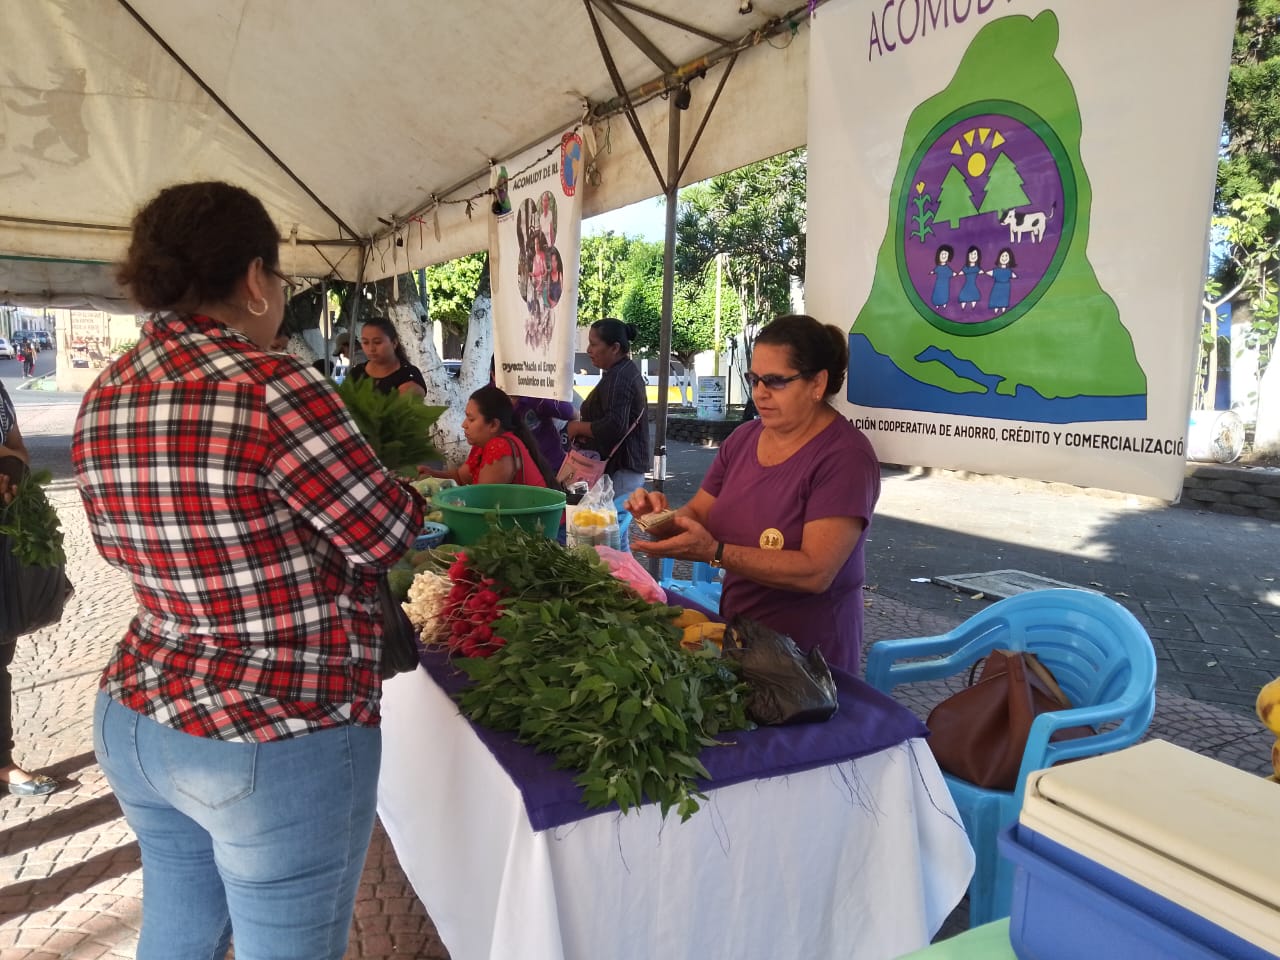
32	525
395	424
596	676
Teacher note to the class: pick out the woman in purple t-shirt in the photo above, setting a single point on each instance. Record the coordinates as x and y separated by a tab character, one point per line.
785	507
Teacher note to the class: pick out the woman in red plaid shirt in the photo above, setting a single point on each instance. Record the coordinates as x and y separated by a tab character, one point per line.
237	721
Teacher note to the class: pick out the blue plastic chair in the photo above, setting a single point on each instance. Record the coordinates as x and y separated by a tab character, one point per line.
1101	657
704	589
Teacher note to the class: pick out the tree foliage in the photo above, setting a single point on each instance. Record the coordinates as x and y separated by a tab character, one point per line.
755	215
1247	228
1251	158
603	275
451	288
1252	247
693	308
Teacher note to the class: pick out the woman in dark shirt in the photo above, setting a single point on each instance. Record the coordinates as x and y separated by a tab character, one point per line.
13	464
386	362
617	405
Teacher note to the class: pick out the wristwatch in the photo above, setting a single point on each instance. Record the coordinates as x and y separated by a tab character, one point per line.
718	560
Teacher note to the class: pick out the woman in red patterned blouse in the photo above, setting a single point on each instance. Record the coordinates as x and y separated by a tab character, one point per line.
502	449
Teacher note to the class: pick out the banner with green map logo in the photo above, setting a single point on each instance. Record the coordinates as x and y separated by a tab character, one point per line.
1009	205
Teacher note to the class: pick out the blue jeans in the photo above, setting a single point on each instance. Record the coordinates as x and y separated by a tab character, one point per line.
264	839
625	482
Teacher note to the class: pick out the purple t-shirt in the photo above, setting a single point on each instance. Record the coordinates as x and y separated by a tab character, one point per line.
836	474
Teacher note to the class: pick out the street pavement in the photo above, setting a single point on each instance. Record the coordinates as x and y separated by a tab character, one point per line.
1203	584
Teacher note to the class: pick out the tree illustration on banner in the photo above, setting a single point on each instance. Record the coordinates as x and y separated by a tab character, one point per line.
1004	188
955	200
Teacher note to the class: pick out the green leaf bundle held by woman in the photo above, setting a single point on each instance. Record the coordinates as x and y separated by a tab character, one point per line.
237	720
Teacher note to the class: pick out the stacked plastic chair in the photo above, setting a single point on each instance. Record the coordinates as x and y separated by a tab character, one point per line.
703	589
1101	657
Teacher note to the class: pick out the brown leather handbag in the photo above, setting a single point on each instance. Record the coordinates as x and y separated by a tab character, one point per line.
980	733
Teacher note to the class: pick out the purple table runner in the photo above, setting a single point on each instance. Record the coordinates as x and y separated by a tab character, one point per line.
867	722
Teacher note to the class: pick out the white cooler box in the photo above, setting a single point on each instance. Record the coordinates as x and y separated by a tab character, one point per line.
1149	852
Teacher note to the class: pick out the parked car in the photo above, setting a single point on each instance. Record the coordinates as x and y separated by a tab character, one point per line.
43	339
6	349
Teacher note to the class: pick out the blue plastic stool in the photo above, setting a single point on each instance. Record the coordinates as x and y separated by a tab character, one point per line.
1101	657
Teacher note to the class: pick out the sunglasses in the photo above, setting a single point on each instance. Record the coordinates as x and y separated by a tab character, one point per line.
290	288
772	381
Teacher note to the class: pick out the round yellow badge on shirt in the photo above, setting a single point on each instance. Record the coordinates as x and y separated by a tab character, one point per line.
771	539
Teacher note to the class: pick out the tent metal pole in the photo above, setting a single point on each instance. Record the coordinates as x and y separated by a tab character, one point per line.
326	327
672	189
353	335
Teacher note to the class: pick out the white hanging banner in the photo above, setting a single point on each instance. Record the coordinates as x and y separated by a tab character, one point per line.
536	228
1009	206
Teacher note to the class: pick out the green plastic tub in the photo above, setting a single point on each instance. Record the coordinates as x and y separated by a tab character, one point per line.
470	510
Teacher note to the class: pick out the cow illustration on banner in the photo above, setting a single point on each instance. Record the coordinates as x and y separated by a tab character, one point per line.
1029	306
535	235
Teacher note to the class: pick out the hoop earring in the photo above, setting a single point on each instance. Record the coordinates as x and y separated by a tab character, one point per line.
258	313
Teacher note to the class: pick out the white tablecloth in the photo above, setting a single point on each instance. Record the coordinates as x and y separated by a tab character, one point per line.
862	859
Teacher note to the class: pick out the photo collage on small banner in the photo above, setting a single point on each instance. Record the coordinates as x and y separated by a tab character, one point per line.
535	233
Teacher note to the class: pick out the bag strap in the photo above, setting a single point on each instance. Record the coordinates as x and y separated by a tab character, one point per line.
635	424
1032	662
515	455
1047	678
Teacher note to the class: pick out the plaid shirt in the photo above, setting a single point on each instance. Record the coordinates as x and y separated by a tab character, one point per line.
234	487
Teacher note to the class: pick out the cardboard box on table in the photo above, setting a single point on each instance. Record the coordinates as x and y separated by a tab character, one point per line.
1152	851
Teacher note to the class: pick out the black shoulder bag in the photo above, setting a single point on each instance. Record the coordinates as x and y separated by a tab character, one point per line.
399	645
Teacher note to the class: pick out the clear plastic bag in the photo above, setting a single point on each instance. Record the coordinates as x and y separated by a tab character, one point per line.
593	522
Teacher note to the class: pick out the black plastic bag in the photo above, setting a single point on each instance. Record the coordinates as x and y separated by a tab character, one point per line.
786	686
30	597
399	648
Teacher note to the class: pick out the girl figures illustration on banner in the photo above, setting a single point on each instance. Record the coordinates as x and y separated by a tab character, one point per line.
972	269
943	272
1001	276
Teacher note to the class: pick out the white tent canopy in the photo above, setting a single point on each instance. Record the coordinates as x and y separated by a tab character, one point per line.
357	124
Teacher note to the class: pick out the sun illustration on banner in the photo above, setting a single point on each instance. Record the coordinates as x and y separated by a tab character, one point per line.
977	162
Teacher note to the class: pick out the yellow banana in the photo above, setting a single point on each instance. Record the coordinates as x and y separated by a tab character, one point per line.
688	618
696	634
1268	706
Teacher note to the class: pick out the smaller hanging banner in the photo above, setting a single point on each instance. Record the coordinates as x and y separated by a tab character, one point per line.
535	230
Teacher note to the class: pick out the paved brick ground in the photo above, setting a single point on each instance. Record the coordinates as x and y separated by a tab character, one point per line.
70	880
